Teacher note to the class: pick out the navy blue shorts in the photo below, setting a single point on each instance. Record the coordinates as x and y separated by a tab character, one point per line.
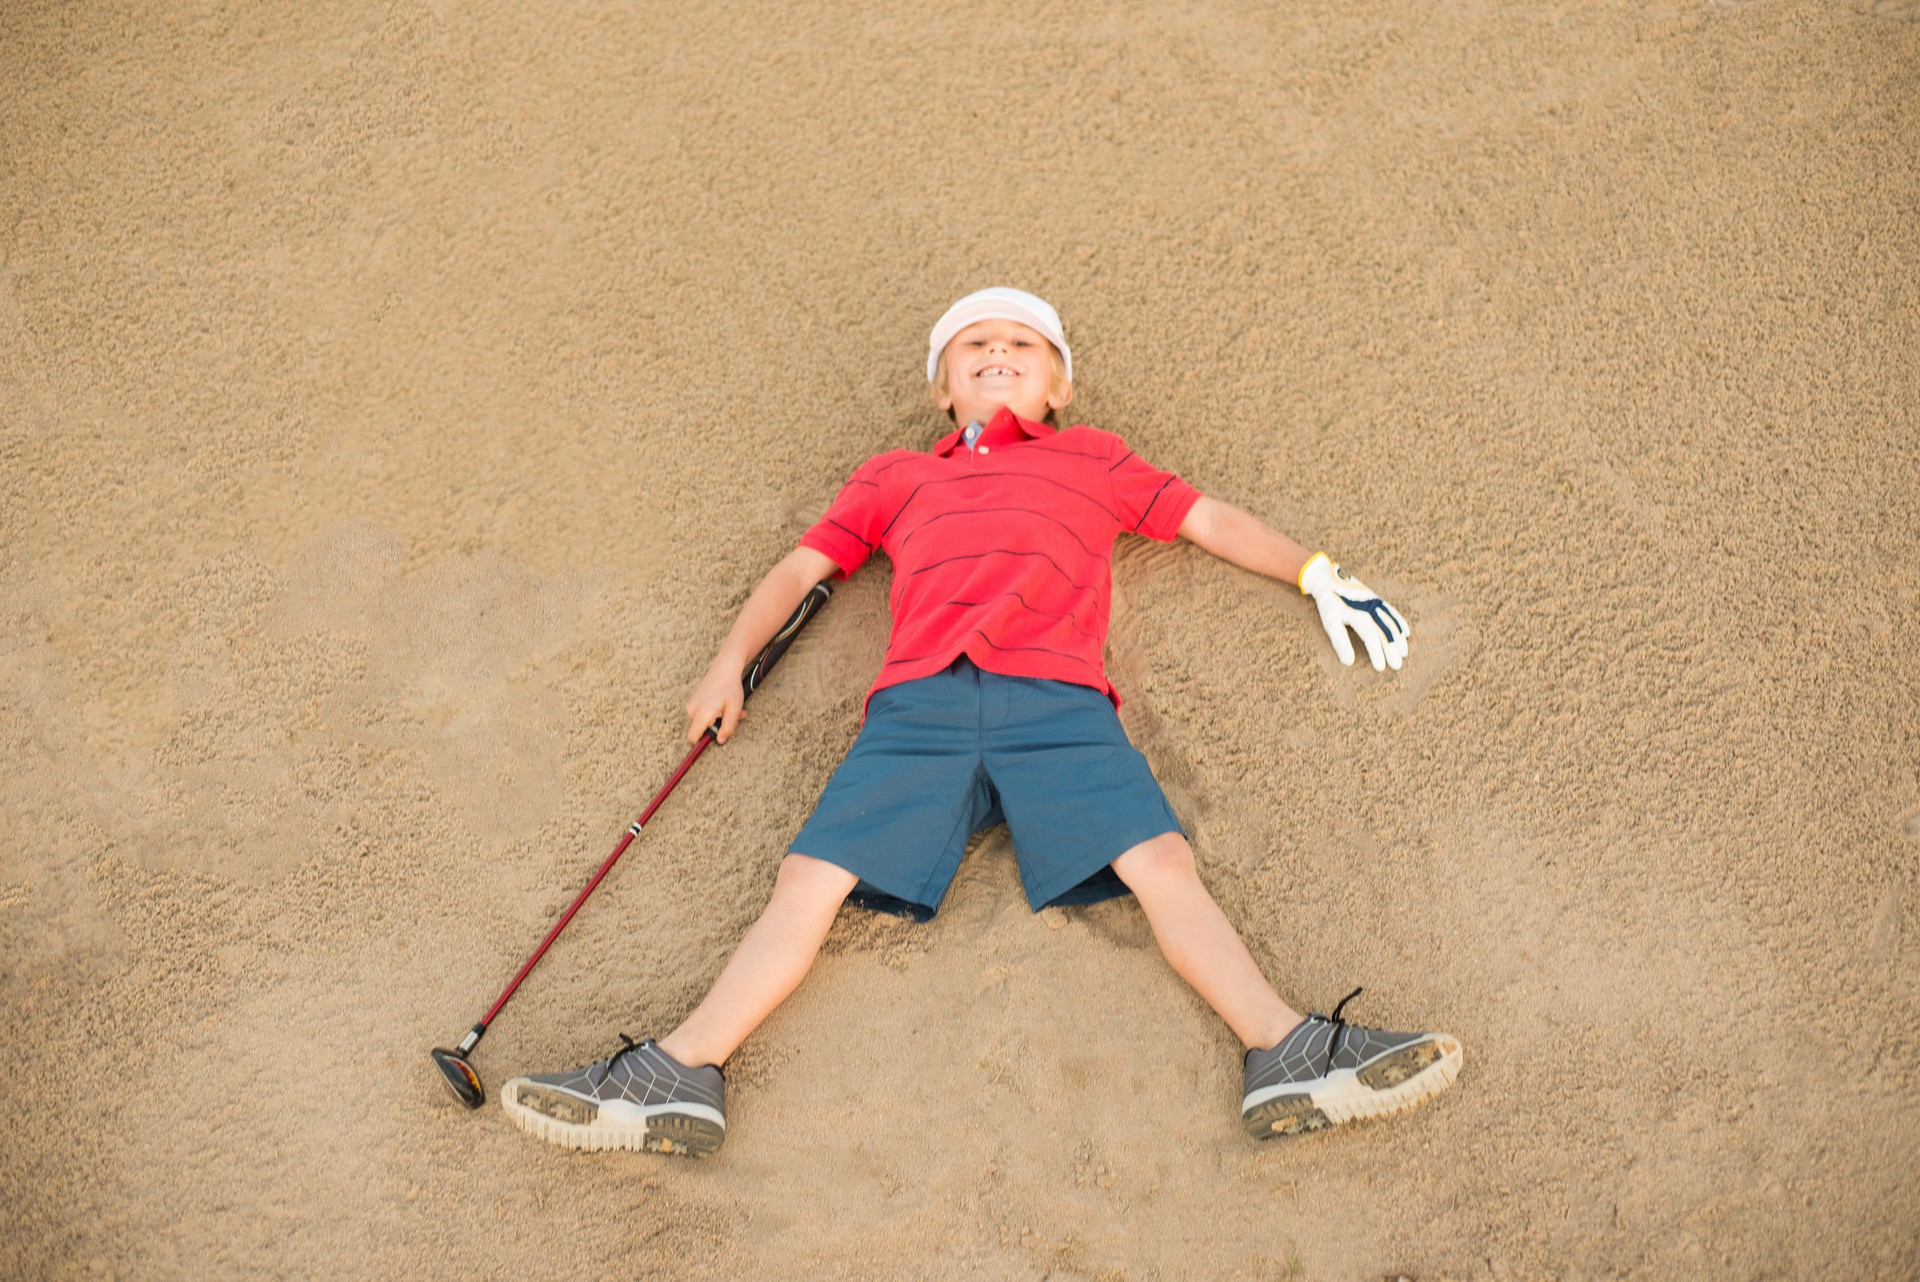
944	756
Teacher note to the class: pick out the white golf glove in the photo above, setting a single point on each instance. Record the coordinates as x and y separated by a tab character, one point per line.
1345	602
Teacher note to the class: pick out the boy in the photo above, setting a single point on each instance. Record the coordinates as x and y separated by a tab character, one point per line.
993	703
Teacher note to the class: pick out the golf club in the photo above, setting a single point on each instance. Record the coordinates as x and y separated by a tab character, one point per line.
454	1064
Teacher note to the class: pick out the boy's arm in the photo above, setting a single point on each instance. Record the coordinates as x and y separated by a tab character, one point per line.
1244	539
720	693
1344	601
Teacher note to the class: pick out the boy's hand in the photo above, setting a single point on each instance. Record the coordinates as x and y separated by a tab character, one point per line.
720	695
1345	602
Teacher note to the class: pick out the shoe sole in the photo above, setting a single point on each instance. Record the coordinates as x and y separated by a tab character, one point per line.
559	1117
1394	1083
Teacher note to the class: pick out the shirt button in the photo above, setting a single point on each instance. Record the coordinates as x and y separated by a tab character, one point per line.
986	449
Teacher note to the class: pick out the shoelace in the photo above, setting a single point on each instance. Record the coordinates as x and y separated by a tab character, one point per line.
629	1048
1339	1028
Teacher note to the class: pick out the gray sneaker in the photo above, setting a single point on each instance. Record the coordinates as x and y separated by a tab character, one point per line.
639	1097
1328	1071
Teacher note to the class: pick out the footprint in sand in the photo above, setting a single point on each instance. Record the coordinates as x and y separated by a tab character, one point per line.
1910	824
1895	10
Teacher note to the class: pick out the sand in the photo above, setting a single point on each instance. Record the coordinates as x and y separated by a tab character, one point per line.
398	400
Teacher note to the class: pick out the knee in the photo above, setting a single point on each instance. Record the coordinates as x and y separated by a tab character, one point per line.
806	882
1157	861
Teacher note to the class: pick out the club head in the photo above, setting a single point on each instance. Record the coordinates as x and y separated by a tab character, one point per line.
461	1079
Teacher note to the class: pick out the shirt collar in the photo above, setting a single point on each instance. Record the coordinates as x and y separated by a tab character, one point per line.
1004	428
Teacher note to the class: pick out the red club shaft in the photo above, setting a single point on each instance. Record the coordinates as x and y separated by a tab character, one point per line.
686	764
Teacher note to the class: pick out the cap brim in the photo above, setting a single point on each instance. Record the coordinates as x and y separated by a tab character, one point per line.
973	311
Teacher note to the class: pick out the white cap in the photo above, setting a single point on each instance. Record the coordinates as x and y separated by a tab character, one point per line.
998	303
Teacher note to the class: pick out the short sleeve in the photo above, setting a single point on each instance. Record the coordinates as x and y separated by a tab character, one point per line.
1150	501
850	530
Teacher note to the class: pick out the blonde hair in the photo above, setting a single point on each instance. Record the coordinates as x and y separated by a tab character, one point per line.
1057	380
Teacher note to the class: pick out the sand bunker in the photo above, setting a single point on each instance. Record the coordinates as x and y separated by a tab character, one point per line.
397	401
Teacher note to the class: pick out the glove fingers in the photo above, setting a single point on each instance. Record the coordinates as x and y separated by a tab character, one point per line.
1396	629
1337	633
1405	631
1382	629
1376	645
1394	625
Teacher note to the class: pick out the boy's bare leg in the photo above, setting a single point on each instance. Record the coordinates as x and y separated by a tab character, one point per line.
772	959
1199	941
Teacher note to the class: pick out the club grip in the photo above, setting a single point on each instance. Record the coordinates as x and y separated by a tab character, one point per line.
809	606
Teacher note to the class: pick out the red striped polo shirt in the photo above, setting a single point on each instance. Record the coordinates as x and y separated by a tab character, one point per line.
1002	550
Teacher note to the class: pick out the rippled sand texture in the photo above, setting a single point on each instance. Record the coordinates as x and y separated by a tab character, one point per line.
398	400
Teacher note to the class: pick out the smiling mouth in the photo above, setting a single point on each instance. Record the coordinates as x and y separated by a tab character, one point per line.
998	371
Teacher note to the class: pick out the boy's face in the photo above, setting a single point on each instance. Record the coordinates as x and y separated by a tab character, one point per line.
995	363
